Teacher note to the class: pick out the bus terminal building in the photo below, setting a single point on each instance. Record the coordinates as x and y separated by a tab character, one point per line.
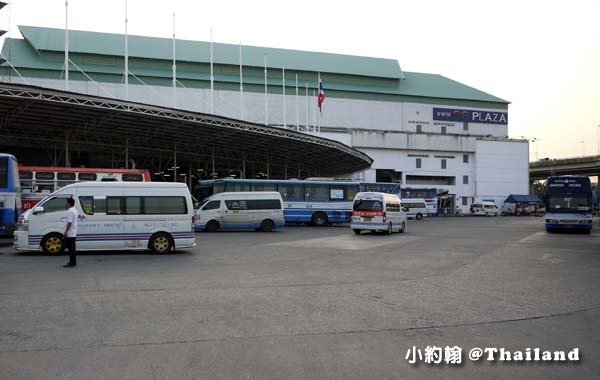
378	122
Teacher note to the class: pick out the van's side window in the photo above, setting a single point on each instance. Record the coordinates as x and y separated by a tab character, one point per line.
113	206
99	205
133	205
212	205
55	204
165	205
393	207
254	204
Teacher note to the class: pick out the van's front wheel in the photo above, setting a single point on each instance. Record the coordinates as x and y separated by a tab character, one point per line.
419	216
212	226
160	243
52	244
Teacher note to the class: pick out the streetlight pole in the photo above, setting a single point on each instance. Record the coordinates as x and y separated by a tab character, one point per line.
582	148
598	130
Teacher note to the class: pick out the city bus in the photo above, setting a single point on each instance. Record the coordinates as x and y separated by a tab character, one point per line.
318	202
10	194
39	181
568	201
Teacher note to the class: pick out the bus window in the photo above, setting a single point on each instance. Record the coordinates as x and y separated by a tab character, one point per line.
291	192
264	187
87	176
316	192
132	177
238	186
44	175
4	172
108	179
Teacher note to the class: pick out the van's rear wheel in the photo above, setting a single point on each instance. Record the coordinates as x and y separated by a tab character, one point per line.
319	219
356	231
419	216
267	226
212	226
160	243
52	244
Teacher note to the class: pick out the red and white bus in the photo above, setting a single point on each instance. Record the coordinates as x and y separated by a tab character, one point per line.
39	181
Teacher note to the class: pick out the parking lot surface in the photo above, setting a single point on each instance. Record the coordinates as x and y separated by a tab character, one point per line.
308	303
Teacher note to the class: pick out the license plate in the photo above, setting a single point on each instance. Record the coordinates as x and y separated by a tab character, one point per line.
568	226
367	219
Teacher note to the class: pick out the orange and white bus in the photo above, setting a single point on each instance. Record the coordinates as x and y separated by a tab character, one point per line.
39	181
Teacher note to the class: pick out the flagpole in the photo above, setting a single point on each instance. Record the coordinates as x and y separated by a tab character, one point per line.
174	67
212	77
266	95
319	94
283	95
241	85
307	119
67	45
126	73
297	106
315	118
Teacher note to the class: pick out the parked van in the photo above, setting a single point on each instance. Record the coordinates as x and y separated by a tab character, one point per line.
259	210
485	208
378	212
112	216
417	208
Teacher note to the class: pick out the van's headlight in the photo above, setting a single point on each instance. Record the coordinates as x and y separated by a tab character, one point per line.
23	225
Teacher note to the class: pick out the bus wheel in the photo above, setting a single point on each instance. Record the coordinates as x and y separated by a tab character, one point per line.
403	228
356	231
212	226
267	225
52	244
389	229
160	243
319	219
419	216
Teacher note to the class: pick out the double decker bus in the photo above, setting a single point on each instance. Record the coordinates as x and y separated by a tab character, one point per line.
568	201
38	181
10	194
317	202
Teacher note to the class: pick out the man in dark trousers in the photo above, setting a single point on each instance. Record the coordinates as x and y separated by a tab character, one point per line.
70	235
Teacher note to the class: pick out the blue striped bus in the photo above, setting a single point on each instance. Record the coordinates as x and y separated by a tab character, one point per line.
318	202
568	202
10	194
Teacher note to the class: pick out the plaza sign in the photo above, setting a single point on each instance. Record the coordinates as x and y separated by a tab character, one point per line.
471	116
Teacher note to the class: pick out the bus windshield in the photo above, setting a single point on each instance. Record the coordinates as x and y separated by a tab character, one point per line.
367	205
569	203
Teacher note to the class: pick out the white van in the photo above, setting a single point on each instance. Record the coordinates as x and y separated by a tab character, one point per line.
417	208
377	212
112	216
260	210
486	208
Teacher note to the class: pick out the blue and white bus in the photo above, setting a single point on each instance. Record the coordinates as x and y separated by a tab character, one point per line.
316	202
10	194
429	195
568	201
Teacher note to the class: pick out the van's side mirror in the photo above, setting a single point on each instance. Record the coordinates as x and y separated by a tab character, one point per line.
405	209
37	210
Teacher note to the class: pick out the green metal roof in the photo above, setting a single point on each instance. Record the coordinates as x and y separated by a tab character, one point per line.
198	51
100	54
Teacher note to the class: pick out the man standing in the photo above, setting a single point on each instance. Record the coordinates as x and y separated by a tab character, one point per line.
71	219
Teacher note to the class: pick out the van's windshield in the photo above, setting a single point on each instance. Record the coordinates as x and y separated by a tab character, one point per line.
368	205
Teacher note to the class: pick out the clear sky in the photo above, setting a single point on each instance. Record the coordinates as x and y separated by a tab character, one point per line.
542	56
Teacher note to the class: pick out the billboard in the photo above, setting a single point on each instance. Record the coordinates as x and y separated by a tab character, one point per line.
471	116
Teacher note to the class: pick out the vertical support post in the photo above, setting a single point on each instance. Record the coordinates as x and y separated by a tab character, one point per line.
283	95
174	162
212	77
241	85
307	118
126	153
67	160
285	170
243	165
67	45
174	67
297	106
299	172
126	73
190	176
212	174
268	167
266	95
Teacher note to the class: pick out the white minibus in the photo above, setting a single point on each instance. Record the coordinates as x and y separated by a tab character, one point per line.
377	212
112	216
417	208
486	208
259	210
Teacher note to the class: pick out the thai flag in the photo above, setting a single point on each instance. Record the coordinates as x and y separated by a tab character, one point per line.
321	97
